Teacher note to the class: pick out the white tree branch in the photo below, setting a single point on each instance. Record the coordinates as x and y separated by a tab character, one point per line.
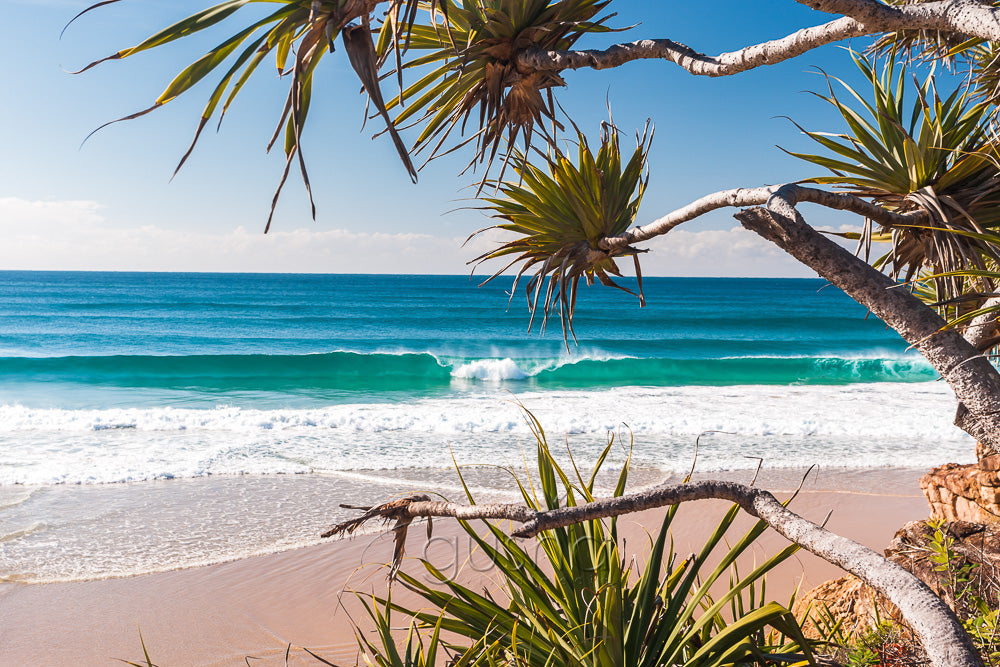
972	18
968	18
936	625
755	197
725	64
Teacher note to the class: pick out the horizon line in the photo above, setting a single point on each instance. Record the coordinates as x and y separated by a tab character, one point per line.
334	273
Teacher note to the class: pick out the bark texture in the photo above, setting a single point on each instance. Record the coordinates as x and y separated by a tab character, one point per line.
972	18
938	628
968	18
974	380
982	330
725	64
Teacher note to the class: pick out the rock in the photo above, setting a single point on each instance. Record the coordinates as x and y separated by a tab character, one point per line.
983	452
846	599
859	606
965	492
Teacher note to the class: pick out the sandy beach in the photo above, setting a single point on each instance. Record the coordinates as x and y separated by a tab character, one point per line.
222	614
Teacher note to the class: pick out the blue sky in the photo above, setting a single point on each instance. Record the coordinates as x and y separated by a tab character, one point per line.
110	205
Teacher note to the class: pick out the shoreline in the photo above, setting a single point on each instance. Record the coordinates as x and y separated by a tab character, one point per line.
219	614
109	531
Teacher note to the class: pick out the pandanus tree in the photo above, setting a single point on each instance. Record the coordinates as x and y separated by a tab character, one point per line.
917	163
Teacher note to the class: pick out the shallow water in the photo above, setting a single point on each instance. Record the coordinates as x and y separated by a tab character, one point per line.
80	532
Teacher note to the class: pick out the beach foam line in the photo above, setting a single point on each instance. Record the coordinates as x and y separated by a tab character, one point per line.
12	497
196	523
35	527
385	478
862	425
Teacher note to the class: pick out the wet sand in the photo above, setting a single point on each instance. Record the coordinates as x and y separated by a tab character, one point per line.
221	614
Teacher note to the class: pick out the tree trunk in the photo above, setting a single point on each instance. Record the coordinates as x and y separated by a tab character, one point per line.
974	380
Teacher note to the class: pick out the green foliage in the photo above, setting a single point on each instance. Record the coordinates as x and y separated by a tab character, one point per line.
961	581
956	575
846	642
471	49
886	645
417	651
560	215
934	156
298	33
982	626
145	654
583	602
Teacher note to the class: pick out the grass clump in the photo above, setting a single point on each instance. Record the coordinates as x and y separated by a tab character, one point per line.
583	601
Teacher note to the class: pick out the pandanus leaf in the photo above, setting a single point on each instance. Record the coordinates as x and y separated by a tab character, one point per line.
934	157
577	599
478	80
560	215
297	33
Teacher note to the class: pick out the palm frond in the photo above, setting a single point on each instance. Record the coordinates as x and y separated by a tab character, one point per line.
301	30
472	49
936	156
561	213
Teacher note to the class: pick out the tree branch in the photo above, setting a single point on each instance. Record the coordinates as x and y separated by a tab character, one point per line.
758	196
974	380
968	18
971	18
725	64
983	327
936	625
980	332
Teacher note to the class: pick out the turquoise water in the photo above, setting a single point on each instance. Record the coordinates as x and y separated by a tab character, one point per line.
151	421
250	373
71	340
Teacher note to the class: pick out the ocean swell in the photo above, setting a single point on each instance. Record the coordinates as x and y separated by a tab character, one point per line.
422	371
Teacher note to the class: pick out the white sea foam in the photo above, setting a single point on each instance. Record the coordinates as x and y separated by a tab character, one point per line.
499	368
12	496
855	425
31	529
490	370
368	452
153	527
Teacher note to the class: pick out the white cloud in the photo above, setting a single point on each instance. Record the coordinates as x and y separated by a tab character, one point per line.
74	235
16	211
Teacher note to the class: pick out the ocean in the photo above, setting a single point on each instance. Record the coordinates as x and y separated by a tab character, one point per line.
151	421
